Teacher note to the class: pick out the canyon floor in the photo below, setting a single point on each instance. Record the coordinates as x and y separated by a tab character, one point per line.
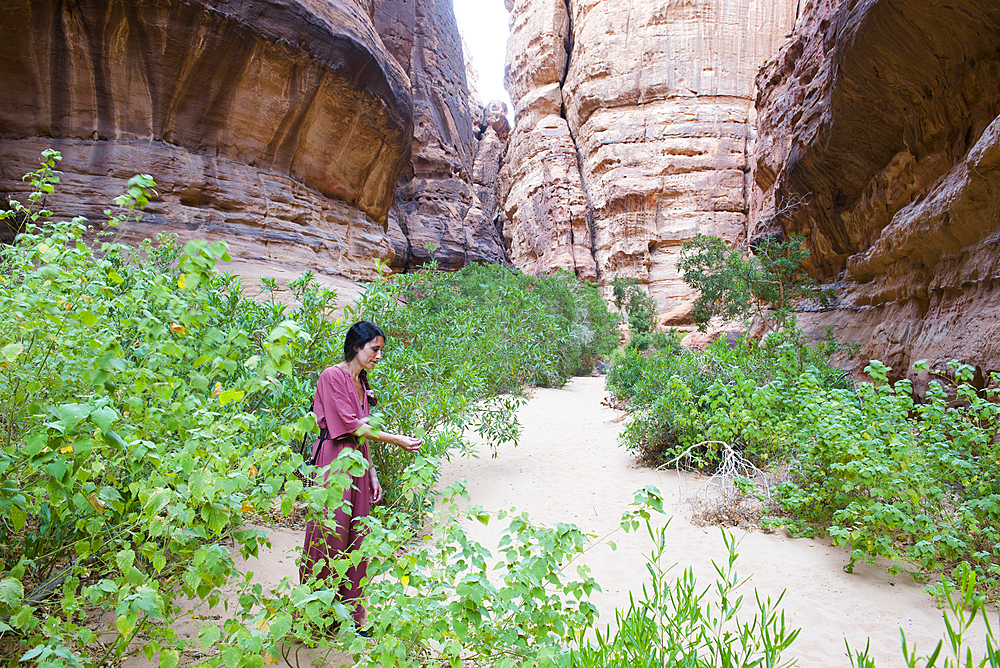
570	467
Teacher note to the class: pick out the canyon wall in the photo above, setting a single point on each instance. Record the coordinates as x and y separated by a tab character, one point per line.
279	126
879	140
282	127
437	202
633	125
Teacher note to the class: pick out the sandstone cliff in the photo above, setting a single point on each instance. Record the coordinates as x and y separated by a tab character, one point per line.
632	131
279	126
437	203
878	122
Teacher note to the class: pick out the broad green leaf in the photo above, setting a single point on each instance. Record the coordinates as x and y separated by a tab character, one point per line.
231	656
157	501
12	350
11	592
230	396
169	658
104	418
125	559
124	625
72	414
208	635
88	318
18	517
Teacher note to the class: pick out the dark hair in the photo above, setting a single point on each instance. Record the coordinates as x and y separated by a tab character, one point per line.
357	337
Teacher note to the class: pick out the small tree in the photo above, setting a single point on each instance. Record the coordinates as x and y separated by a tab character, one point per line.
635	304
737	283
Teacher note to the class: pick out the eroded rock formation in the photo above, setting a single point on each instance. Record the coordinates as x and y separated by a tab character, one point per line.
879	139
632	129
437	203
280	126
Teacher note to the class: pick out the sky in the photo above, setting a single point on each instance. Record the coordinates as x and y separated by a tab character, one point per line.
483	24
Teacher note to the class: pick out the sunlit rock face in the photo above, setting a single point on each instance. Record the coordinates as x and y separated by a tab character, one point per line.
632	131
437	202
879	140
279	126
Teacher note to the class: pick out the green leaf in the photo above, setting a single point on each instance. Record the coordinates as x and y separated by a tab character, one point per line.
158	500
18	517
104	418
124	625
11	592
125	559
169	658
72	414
230	396
12	350
231	656
208	635
280	626
88	319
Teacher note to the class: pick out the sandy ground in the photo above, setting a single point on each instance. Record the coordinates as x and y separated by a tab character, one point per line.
569	467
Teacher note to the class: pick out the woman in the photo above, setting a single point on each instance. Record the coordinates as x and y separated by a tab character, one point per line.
343	401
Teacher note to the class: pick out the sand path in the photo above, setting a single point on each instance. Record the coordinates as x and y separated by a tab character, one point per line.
569	467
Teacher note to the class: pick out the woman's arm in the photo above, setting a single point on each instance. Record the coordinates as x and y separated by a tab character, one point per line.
408	443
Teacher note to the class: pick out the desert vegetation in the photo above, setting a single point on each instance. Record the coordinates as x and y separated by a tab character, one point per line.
912	482
152	417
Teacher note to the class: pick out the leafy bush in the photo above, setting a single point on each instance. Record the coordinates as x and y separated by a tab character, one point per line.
678	398
148	407
638	307
918	485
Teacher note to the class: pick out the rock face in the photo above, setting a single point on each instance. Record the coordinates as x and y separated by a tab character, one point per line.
437	202
879	139
632	131
280	126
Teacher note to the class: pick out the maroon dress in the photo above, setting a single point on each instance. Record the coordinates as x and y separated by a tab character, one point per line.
338	408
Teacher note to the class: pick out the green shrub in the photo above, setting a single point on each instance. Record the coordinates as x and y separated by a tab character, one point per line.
678	398
918	485
735	283
638	307
147	411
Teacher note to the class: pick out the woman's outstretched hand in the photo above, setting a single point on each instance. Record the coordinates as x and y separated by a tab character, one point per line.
376	488
409	443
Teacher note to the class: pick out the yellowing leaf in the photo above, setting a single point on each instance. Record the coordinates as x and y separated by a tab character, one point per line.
246	507
179	330
96	503
253	471
269	660
66	449
217	390
180	281
404	580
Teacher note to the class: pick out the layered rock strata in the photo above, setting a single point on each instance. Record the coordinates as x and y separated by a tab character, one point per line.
632	132
879	140
279	126
437	202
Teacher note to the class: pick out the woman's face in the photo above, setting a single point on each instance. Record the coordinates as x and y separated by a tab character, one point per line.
370	354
